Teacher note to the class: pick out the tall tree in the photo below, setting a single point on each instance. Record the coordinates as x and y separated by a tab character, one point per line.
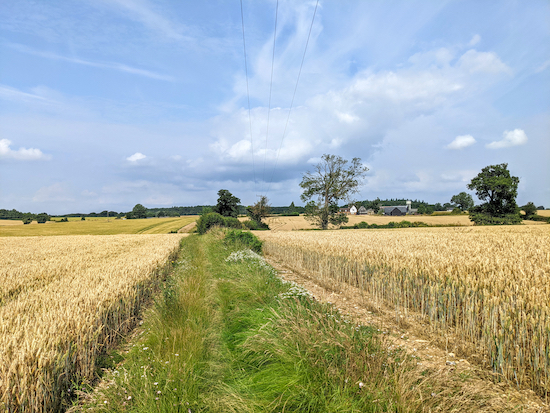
139	211
463	200
330	182
499	190
228	205
259	210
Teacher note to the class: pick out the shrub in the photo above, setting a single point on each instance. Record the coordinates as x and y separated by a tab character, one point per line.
479	218
246	238
27	221
209	220
254	225
231	222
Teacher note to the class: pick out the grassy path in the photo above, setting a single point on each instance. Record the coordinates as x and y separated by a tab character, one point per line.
227	335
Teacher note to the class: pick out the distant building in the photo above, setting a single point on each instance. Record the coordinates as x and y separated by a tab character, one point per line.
398	210
349	211
362	210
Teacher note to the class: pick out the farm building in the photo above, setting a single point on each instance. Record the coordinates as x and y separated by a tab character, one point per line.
364	211
349	211
397	210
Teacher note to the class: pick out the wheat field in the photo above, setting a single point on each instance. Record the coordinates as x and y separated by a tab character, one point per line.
96	226
63	301
489	285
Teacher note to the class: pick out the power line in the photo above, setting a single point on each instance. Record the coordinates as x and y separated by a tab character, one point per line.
293	96
270	89
248	98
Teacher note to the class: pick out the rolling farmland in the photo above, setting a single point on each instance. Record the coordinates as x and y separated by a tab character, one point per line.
96	226
490	285
63	301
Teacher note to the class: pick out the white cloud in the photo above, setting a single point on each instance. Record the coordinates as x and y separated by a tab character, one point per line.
485	62
136	157
475	40
461	142
511	138
22	154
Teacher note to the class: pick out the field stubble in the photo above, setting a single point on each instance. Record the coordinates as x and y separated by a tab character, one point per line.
63	300
490	286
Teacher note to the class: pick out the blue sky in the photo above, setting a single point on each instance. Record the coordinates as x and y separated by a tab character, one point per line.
109	103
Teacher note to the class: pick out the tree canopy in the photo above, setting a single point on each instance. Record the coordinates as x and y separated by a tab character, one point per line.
499	190
330	182
463	200
228	205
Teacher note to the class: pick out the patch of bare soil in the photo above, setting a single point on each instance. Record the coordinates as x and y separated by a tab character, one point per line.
450	359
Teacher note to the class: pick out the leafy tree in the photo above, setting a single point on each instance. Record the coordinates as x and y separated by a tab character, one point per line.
83	218
530	210
499	190
42	218
540	207
463	200
330	182
27	220
259	211
228	205
138	212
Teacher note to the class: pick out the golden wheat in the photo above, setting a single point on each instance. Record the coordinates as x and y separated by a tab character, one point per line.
490	284
62	301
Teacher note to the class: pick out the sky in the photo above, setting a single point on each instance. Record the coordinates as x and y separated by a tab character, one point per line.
108	103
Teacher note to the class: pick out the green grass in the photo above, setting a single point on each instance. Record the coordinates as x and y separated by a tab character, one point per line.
98	226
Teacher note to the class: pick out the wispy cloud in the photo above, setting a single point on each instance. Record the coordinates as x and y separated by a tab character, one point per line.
461	142
102	65
22	154
143	12
10	93
475	40
515	137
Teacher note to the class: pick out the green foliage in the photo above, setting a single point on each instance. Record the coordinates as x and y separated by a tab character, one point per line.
463	200
530	210
456	211
330	182
230	222
213	219
259	210
228	205
27	220
83	218
499	189
207	221
255	226
392	224
245	238
64	219
425	209
138	212
42	218
481	218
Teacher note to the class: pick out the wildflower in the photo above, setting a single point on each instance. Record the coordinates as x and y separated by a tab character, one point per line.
129	397
158	392
156	383
361	384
